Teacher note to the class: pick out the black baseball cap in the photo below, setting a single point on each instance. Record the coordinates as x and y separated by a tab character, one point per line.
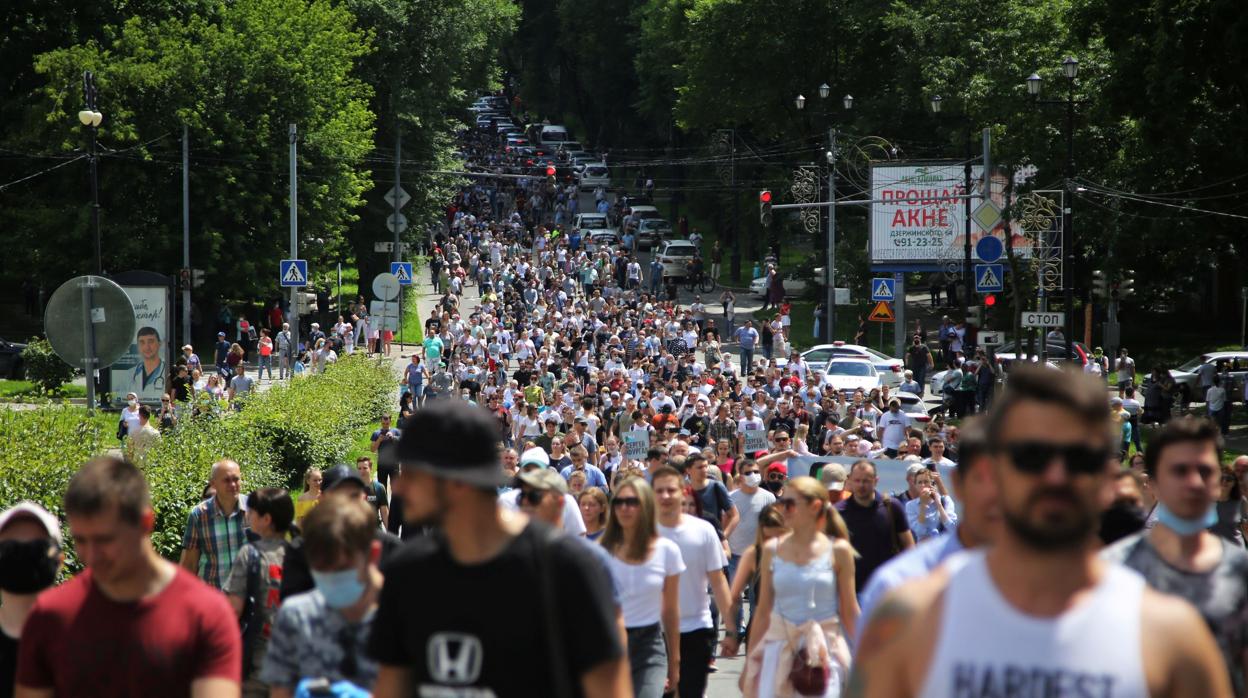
339	474
453	440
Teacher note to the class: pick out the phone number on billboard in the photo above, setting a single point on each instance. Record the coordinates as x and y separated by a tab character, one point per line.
918	242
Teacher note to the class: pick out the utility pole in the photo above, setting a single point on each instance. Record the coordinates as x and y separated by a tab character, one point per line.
294	242
1068	233
735	261
831	256
186	235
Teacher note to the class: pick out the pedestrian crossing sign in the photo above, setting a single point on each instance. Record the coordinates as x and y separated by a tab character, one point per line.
293	272
403	272
883	289
883	312
988	278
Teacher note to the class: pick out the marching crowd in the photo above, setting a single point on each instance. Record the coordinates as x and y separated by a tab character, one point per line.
585	494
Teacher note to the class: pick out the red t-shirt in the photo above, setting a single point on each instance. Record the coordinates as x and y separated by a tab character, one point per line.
79	642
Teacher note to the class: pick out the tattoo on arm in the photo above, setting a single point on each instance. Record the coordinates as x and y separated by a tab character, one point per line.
890	618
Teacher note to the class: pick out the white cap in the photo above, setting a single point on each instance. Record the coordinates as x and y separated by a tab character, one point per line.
38	513
536	456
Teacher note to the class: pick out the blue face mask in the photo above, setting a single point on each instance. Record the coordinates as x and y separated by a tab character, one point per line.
340	589
1186	527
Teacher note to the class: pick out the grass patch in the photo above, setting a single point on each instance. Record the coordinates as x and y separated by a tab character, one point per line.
412	330
15	389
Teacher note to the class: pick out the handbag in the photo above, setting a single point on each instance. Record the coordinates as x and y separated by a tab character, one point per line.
807	679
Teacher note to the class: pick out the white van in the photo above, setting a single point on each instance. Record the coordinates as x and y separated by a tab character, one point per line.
554	135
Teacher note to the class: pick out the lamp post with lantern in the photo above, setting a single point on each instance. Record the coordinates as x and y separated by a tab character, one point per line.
1070	70
825	91
91	118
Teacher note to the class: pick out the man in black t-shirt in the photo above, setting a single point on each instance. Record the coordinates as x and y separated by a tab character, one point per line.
543	642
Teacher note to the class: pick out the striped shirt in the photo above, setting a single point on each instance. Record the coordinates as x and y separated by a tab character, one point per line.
217	537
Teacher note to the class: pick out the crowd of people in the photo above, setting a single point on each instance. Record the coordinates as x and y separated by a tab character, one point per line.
585	496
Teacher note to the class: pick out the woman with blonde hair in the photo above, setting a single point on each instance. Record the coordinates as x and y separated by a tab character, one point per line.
647	571
807	604
311	494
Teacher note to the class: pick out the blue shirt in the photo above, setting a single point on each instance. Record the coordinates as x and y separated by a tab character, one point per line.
593	476
912	564
747	336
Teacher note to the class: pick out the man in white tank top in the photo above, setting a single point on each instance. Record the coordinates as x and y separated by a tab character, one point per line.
1039	613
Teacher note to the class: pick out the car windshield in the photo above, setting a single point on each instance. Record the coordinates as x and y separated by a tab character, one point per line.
1192	365
679	251
593	223
850	368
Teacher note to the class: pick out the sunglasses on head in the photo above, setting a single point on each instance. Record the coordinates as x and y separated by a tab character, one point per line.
626	502
1034	457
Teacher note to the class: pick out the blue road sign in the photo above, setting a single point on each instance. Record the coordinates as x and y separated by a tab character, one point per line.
293	272
403	272
989	278
883	289
989	248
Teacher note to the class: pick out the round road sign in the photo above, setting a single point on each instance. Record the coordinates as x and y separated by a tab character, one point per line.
989	248
386	286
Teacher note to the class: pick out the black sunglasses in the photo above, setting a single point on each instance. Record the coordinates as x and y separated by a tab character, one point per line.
533	497
1034	457
626	502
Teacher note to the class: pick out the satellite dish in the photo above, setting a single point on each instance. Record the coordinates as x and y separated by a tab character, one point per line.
110	320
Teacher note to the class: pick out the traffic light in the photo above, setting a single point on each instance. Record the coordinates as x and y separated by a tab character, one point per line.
1100	287
990	300
764	207
1126	285
197	278
305	303
975	316
550	170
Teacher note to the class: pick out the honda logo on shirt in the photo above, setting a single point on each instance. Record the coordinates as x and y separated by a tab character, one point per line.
454	658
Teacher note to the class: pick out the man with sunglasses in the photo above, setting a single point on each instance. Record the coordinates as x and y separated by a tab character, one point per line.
1039	612
1179	555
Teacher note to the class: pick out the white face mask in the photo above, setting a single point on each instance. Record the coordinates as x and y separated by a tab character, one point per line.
753	479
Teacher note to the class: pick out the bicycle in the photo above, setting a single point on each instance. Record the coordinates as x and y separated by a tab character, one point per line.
702	282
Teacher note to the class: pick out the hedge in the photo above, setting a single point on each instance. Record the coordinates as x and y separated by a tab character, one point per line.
310	421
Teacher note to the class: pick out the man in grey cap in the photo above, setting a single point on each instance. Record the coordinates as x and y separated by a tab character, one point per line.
557	642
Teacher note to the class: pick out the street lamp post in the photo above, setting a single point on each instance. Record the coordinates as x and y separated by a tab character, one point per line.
1070	70
967	268
91	117
847	102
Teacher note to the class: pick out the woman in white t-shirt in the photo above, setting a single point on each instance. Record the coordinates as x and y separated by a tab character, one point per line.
647	571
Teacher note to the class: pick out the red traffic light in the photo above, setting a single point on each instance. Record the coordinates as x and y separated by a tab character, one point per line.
765	196
550	170
990	300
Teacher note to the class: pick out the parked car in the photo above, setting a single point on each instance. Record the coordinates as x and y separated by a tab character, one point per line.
889	369
593	175
936	380
591	221
1008	352
793	286
11	359
912	405
652	231
1187	379
674	255
602	238
846	374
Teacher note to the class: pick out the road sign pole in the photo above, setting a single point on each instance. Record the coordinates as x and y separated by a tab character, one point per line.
186	234
831	261
294	249
899	328
88	336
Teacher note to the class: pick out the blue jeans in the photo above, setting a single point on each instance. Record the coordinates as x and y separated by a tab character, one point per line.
738	620
747	360
265	362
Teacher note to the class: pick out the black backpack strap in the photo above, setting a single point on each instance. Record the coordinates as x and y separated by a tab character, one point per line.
543	539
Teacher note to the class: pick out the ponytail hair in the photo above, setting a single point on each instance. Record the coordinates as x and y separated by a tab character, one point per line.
810	488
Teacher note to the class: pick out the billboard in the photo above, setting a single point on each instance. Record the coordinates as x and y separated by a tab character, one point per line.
914	221
144	368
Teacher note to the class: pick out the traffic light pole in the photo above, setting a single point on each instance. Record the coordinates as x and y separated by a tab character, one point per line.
186	235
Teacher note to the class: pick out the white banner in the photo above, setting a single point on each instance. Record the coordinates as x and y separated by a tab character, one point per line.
636	444
917	222
756	440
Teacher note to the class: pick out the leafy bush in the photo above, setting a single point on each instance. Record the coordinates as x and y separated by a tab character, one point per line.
311	421
43	367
